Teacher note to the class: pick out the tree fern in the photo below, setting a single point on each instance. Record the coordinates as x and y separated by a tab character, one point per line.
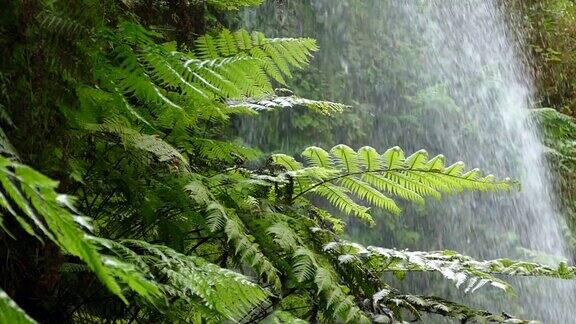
274	54
368	175
219	218
388	303
281	317
30	196
151	144
175	83
273	103
10	312
189	223
226	292
463	270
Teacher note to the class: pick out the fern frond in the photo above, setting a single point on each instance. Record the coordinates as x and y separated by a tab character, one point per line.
232	77
346	158
284	236
73	268
393	188
152	144
34	195
334	223
304	264
555	124
226	292
10	312
287	162
463	270
60	25
365	191
338	196
291	165
219	218
5	145
389	299
283	317
368	175
250	252
415	183
272	103
339	305
225	151
318	157
274	55
393	159
170	74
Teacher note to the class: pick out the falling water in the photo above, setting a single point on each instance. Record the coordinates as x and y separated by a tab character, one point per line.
473	93
474	51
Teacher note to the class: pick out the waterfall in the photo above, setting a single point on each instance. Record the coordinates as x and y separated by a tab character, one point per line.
474	50
455	68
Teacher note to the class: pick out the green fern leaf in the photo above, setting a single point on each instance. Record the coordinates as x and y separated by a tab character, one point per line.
346	158
305	264
11	313
367	175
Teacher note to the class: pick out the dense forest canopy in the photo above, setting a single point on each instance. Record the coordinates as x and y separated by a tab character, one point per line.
130	191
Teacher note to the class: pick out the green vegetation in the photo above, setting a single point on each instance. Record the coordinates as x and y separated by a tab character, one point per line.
127	197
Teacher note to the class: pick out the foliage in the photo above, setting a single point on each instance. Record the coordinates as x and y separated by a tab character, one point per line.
550	26
233	4
10	312
175	219
461	269
367	174
33	194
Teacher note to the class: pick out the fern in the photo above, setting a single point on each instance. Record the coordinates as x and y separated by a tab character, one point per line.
30	196
219	218
227	293
282	317
11	313
151	144
559	137
250	252
555	124
367	175
232	238
275	54
338	303
229	152
185	87
388	303
305	264
273	103
61	25
332	222
284	236
308	266
463	270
